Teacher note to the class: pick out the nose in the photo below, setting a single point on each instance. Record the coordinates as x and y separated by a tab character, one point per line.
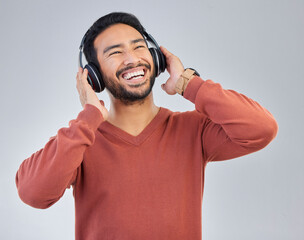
130	57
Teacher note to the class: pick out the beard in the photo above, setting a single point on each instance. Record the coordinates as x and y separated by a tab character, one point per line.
120	92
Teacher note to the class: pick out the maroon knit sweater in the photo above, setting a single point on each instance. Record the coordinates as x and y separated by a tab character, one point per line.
149	186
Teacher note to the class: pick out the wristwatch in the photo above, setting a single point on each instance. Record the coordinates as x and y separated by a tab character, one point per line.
183	80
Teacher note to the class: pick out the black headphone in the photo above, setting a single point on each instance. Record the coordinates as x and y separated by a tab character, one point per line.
94	76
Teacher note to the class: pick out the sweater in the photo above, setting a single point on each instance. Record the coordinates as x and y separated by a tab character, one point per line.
148	186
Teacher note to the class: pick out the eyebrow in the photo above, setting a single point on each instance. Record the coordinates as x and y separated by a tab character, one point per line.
120	45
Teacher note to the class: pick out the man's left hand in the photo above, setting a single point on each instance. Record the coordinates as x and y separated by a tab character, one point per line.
175	68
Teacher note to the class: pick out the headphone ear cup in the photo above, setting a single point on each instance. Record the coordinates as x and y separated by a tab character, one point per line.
159	60
155	61
162	61
95	78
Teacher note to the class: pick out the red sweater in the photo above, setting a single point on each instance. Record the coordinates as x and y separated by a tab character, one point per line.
148	186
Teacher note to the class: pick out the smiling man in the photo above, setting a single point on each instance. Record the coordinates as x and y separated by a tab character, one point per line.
125	62
137	170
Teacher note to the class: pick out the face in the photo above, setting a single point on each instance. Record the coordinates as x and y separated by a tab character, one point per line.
126	63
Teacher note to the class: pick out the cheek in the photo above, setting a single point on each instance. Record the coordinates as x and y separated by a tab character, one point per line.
149	59
109	68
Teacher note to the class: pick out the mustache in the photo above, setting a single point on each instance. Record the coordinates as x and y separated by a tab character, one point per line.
148	66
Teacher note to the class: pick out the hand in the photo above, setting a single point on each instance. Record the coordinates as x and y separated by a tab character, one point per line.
175	68
87	94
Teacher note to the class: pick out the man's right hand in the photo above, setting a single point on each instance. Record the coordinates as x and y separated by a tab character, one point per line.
87	94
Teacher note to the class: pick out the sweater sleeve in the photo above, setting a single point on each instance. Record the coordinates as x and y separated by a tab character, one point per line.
235	124
42	178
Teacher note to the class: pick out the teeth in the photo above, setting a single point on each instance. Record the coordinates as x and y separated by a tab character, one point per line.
132	74
137	77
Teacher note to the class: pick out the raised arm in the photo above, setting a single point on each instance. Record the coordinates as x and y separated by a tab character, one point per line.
236	125
42	178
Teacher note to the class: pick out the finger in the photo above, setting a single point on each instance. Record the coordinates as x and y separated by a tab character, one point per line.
165	51
77	79
163	87
84	77
81	79
80	70
84	74
79	73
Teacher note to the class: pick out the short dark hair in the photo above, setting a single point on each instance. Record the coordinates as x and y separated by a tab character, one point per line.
102	24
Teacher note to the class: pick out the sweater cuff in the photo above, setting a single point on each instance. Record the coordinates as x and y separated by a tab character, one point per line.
192	88
91	115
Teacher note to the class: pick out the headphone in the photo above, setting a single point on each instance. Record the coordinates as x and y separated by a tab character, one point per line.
94	75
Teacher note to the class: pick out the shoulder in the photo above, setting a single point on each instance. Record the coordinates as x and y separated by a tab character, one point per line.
185	118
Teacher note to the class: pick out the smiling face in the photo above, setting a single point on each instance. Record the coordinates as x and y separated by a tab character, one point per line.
125	62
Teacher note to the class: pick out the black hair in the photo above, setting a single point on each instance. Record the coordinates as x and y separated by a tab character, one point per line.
102	24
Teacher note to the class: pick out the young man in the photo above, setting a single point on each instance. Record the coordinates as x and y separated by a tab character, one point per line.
137	170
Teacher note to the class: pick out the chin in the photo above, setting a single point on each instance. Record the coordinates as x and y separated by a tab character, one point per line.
130	93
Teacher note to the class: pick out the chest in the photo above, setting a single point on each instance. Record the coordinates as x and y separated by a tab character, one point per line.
159	158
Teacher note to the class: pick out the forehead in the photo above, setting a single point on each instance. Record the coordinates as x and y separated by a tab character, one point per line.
116	34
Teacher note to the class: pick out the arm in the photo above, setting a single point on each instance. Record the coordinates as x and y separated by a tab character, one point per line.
236	125
42	179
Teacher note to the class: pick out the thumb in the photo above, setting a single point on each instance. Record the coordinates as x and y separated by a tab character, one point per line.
166	88
169	87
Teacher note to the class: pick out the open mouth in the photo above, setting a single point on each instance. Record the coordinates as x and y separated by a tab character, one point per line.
134	75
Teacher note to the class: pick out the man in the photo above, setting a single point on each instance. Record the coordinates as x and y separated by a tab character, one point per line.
137	170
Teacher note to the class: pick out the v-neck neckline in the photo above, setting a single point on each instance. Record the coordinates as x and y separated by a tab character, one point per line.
143	135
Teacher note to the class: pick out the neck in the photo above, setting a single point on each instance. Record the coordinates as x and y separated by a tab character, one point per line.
132	118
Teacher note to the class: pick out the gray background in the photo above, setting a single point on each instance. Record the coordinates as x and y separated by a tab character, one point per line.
254	47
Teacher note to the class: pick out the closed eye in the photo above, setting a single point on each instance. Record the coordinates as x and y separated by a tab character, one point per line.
140	46
113	53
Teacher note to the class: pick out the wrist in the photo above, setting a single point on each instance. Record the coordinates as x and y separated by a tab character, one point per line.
184	79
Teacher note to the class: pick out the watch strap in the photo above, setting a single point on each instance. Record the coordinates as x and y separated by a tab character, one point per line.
183	80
